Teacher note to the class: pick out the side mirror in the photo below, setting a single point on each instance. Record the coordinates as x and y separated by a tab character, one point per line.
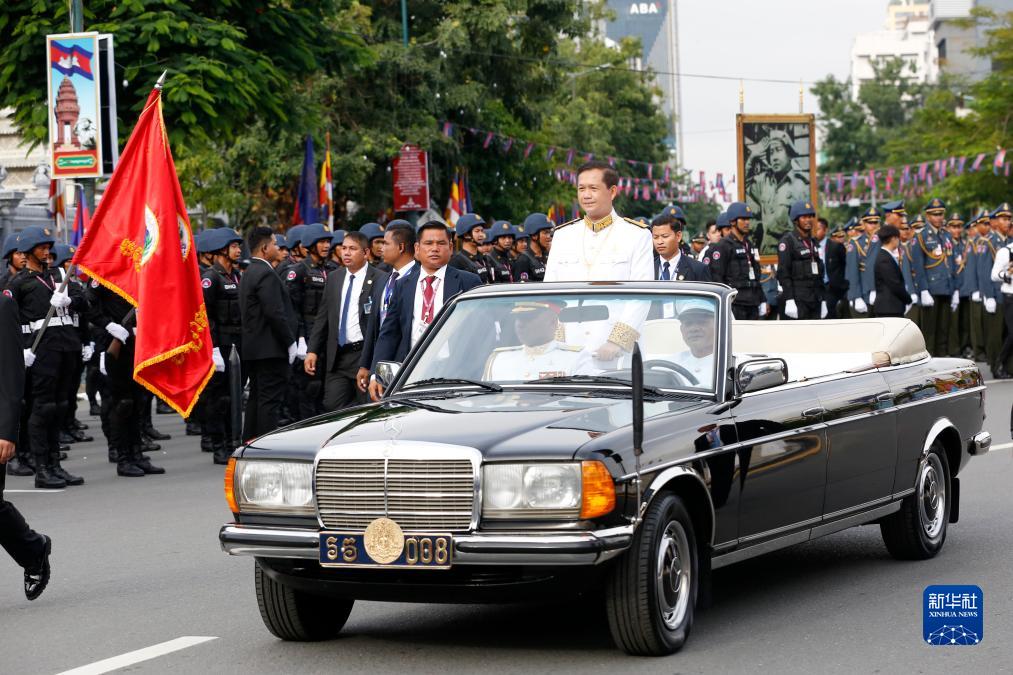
760	374
386	371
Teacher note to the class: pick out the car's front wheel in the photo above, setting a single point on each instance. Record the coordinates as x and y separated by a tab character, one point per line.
298	616
918	530
651	593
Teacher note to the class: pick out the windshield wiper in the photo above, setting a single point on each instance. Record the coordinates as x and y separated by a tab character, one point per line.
488	386
593	379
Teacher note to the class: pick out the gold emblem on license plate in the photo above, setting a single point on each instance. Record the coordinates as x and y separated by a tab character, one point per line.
384	540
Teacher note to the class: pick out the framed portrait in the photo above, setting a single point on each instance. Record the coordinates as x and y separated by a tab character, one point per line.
776	167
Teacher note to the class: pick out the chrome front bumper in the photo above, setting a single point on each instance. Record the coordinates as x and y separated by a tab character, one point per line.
477	548
981	442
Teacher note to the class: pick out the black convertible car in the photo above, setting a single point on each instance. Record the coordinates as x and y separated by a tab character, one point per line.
621	439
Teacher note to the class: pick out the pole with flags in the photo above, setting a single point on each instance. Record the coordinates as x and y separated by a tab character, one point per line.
140	246
305	211
57	208
81	218
327	187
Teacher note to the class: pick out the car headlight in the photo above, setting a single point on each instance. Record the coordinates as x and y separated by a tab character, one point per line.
557	491
262	485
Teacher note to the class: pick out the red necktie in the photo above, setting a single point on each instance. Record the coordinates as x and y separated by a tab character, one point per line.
428	298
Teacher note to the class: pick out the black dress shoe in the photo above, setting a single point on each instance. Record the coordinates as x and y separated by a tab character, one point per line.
48	481
37	578
78	424
68	478
155	434
148	445
95	410
80	437
129	470
16	467
145	465
66	439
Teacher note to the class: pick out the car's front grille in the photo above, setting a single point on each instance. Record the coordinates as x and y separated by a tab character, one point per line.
422	495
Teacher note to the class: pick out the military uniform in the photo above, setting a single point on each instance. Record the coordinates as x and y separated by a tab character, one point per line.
554	359
502	263
859	265
529	267
977	311
305	282
613	249
991	298
735	263
934	277
221	298
1003	297
961	251
800	269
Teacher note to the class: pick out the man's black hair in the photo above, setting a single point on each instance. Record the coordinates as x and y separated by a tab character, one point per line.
434	225
403	235
359	238
609	174
259	236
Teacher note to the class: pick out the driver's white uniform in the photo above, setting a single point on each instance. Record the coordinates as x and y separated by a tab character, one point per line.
553	359
701	367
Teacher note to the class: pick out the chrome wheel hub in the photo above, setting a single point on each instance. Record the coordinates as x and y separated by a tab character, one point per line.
674	568
931	496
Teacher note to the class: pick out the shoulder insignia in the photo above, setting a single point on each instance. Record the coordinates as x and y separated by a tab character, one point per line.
570	348
94	284
635	222
8	293
717	255
205	283
562	225
500	350
291	275
782	246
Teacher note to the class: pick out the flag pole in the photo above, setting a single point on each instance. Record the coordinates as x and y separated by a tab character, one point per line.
70	271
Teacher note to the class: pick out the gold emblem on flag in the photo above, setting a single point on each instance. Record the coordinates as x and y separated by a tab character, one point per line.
384	540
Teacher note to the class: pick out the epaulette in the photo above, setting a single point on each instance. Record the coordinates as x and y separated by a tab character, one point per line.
636	222
570	348
562	225
499	350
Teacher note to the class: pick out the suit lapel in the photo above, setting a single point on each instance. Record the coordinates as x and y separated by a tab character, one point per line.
451	284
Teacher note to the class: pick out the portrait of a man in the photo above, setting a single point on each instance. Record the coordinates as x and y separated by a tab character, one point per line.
776	168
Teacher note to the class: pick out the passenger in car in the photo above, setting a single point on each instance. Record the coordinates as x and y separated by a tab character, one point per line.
540	355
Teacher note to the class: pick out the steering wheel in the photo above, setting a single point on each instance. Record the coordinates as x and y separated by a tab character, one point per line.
668	365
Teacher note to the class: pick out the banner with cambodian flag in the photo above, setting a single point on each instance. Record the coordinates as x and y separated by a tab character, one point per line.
56	207
326	197
81	218
454	202
140	246
305	210
75	120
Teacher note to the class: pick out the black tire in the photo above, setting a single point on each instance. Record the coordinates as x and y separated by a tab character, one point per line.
635	597
298	616
918	530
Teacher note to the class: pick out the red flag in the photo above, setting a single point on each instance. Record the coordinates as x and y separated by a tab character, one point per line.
140	247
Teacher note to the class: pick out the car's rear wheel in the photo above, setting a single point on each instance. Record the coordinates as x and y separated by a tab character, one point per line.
918	530
651	593
298	616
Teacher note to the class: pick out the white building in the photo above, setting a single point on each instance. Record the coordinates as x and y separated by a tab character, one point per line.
954	42
913	41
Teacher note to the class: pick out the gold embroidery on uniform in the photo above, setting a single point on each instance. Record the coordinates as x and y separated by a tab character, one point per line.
600	225
623	335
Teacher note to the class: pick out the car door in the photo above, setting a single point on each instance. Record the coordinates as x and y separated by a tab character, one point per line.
862	432
783	457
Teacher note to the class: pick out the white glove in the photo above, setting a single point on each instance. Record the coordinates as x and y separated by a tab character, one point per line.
823	309
990	305
293	349
117	331
927	300
791	309
301	349
872	297
102	363
955	301
860	306
87	351
216	356
914	299
976	296
60	300
29	358
763	309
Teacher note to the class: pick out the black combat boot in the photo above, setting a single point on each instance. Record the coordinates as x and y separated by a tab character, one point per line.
221	450
193	428
148	445
126	466
143	463
60	472
206	444
114	455
20	466
79	436
46	480
163	408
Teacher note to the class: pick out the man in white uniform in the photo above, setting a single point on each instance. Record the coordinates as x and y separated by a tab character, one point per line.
696	323
540	355
603	246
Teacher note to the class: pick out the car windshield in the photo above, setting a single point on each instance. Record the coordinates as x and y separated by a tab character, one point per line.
584	339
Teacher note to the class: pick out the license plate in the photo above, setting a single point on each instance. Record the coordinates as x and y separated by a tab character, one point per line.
348	549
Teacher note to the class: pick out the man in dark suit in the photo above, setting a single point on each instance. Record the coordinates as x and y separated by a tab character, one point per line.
269	344
834	258
352	295
29	549
418	299
892	297
671	263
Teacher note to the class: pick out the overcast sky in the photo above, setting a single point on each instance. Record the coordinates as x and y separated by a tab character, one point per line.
782	39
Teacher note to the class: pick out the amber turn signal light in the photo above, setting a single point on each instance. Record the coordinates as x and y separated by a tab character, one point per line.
230	485
598	493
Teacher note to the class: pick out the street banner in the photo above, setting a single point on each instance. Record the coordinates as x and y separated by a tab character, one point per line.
75	121
411	179
140	246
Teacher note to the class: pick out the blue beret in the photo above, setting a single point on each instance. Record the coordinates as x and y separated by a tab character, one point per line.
896	207
935	204
739	210
1001	210
63	253
372	230
31	237
535	223
467	222
294	235
801	208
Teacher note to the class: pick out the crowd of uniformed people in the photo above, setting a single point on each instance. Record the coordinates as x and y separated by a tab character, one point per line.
307	346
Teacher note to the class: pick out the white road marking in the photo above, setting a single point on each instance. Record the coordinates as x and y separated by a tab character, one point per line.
1009	381
1001	446
130	658
35	492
